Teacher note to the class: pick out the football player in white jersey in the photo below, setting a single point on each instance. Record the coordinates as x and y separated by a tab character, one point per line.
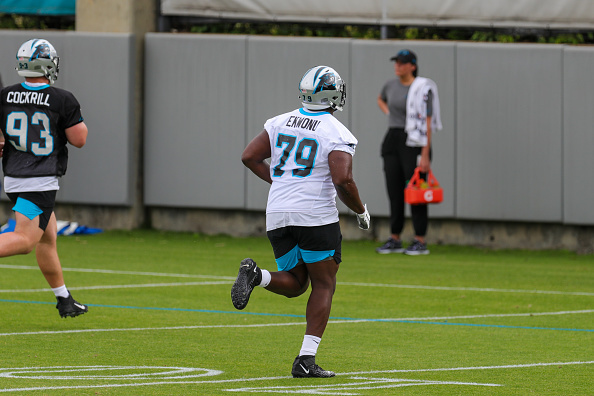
311	155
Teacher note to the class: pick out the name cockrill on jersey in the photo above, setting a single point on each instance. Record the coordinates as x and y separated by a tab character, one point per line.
37	98
302	122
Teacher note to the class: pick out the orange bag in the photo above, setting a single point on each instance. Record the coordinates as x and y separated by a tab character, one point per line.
419	191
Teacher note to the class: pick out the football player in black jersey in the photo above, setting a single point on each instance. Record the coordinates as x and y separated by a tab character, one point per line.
37	121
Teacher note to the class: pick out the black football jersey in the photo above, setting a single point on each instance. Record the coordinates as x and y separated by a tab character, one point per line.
33	121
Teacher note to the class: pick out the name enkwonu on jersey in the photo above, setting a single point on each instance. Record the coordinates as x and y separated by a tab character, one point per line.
302	122
38	98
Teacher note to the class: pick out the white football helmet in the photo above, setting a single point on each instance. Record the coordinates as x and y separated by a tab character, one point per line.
38	58
322	87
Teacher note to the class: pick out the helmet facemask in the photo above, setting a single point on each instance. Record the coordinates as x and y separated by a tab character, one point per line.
339	100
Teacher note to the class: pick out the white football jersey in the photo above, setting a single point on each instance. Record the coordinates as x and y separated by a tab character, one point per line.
302	192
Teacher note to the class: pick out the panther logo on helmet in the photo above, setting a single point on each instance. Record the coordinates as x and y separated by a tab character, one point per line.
327	82
41	51
38	58
321	87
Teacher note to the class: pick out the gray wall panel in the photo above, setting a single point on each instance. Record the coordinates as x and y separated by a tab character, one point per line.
578	135
371	68
194	120
102	171
275	67
509	139
96	68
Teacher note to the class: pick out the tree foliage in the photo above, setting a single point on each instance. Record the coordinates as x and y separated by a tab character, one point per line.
36	22
515	35
204	26
281	29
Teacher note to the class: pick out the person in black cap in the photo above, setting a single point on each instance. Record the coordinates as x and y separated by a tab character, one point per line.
412	106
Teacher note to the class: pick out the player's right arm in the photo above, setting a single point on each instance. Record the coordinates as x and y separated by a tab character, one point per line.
255	154
77	134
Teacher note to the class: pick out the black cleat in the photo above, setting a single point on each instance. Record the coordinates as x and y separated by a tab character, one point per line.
70	307
306	367
249	276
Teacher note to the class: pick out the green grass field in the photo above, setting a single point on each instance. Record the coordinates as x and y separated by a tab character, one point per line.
461	321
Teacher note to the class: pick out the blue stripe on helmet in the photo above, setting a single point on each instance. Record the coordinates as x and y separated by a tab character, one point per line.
315	88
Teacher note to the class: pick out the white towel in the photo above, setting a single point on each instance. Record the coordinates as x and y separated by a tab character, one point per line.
416	112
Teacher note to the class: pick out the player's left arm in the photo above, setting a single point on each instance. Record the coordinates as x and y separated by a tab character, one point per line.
77	134
341	170
255	154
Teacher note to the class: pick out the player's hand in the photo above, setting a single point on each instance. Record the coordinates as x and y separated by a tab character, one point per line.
364	219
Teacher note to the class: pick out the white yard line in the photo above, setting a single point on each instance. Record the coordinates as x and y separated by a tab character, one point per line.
294	323
583	311
136	273
469	368
268	389
152	329
121	286
388	285
477	289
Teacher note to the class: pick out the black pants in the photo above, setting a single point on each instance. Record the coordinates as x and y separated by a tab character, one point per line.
400	162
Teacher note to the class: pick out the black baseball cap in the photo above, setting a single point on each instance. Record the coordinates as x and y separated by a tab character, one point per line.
405	56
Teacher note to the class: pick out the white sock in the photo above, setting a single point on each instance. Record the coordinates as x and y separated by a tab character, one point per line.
266	277
310	345
60	291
